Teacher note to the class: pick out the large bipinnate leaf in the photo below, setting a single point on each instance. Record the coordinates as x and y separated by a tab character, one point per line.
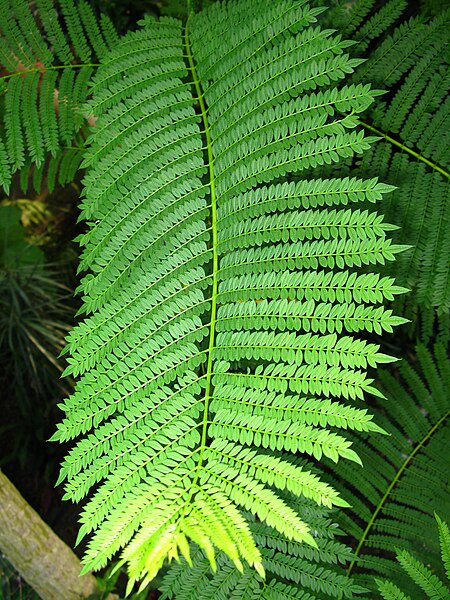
228	292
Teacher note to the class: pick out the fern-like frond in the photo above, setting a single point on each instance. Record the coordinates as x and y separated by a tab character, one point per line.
346	16
405	475
49	58
389	591
413	121
292	568
378	23
444	539
423	576
226	305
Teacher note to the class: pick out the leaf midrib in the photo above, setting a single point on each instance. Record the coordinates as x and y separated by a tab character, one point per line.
405	148
215	258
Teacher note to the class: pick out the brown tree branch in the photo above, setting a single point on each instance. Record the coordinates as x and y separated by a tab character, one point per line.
37	553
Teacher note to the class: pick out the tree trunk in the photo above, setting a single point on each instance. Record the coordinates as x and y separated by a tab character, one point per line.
36	552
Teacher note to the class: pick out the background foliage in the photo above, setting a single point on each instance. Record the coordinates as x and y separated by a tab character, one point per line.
405	475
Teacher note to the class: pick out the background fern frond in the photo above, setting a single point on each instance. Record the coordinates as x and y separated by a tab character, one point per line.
405	475
43	55
444	539
409	57
423	576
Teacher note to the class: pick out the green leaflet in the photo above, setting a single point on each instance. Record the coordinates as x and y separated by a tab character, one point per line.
423	577
225	291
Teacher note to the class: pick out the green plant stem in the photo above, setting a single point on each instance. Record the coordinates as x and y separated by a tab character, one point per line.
399	473
215	265
43	69
406	149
